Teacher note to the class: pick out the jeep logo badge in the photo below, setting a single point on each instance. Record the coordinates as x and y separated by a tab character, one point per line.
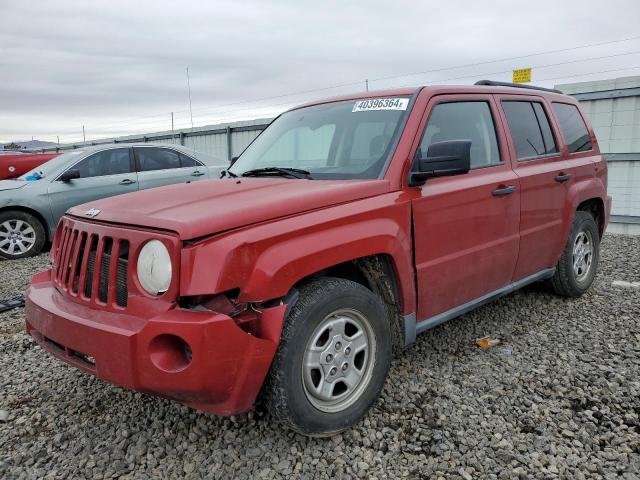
93	212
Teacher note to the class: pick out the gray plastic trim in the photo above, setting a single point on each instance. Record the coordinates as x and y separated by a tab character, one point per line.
473	304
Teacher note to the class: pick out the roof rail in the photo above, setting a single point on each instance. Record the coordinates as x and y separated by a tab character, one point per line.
517	85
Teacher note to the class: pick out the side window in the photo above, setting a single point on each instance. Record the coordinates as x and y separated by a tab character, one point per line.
530	129
107	162
573	127
186	161
464	121
153	158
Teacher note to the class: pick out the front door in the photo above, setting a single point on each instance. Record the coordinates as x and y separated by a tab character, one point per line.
104	174
466	227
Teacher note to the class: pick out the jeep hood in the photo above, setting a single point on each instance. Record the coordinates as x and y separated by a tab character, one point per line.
204	208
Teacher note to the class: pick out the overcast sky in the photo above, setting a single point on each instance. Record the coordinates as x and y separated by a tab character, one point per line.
118	67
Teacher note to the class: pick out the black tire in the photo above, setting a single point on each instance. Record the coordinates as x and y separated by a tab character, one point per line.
285	393
566	281
33	238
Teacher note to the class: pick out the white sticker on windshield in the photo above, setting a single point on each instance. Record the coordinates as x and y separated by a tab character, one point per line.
381	104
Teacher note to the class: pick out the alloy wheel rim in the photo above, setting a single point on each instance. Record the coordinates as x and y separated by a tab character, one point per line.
338	360
16	237
582	255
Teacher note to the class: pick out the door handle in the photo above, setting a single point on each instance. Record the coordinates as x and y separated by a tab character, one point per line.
127	181
502	191
563	177
197	174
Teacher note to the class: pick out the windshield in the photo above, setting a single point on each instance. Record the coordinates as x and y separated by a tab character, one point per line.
341	140
52	165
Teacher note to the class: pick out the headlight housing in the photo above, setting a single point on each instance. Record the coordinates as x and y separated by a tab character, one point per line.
154	267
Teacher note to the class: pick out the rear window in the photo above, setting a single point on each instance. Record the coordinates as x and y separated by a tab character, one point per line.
573	127
186	161
152	158
529	128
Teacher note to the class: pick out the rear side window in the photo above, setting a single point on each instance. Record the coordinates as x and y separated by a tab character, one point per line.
530	129
464	121
573	127
152	158
108	162
186	161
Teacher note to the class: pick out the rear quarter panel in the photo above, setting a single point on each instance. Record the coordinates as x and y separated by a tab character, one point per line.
590	181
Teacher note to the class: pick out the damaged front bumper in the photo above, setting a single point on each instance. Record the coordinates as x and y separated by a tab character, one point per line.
201	359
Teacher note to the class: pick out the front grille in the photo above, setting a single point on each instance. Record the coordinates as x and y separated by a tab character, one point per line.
76	254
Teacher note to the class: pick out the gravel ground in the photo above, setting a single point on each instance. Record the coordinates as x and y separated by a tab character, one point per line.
558	398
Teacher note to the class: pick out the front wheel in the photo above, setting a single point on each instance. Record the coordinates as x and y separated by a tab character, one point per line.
577	266
21	235
333	358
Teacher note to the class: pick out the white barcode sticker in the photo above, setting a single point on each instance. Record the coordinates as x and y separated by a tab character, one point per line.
381	104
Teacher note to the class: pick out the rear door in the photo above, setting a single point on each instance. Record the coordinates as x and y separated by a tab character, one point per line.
159	166
465	226
546	172
102	174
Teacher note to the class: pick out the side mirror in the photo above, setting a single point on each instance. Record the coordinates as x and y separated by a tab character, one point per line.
443	159
69	175
233	160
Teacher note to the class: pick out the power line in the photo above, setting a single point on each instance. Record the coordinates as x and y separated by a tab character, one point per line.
456	78
359	82
482	74
507	59
473	75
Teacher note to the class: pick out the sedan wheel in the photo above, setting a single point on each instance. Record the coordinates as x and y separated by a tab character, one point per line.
21	235
16	237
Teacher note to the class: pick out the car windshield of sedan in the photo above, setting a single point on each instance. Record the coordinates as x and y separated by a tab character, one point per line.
341	140
52	165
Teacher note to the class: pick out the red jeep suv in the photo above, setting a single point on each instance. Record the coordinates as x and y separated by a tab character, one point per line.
346	228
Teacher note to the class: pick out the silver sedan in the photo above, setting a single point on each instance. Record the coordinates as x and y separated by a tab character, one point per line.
31	205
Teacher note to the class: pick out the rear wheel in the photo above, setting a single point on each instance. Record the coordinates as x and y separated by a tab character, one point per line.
21	235
577	266
333	358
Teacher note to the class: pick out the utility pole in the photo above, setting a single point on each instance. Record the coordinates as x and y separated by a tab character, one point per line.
172	124
58	139
189	87
366	84
84	139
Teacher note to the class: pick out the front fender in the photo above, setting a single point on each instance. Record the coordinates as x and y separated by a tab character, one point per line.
265	261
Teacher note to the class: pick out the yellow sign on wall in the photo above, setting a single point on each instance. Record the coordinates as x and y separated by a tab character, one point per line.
522	75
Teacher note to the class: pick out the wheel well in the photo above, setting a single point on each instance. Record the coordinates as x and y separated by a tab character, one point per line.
30	212
378	274
595	207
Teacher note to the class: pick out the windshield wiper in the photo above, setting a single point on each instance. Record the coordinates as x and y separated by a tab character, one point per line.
278	171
